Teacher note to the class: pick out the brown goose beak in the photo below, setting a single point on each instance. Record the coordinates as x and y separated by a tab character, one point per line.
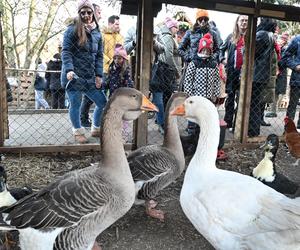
147	105
179	110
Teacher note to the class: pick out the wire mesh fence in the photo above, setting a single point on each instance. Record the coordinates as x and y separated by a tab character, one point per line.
51	103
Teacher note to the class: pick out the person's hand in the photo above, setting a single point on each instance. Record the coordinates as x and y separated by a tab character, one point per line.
224	62
297	68
98	82
70	75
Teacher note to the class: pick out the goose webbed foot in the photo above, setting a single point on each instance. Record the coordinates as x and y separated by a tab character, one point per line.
152	212
96	246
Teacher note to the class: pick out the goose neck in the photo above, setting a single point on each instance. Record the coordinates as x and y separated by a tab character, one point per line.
172	139
111	138
207	148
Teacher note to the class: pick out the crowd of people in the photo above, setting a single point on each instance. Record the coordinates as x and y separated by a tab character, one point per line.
188	57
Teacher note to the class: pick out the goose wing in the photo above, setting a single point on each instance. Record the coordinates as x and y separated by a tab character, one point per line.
62	203
151	161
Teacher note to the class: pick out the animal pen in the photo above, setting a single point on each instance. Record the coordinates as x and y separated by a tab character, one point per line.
22	128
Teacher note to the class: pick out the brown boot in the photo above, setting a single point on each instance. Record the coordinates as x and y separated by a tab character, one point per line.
95	132
79	135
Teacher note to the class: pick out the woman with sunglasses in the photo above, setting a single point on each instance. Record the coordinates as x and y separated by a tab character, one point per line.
188	47
82	68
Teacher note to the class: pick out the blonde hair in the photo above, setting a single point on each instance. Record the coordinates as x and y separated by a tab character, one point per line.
236	34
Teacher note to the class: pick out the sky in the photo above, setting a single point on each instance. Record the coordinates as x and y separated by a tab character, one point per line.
224	21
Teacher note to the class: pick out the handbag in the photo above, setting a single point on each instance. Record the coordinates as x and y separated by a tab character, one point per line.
162	76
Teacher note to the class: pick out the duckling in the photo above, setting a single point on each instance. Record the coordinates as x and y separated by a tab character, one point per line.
266	172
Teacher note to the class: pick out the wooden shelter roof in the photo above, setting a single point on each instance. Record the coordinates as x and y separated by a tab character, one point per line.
282	12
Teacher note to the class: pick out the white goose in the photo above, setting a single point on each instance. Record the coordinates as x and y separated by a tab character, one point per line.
232	211
73	210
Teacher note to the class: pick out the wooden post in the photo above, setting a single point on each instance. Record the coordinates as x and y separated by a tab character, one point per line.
3	105
143	64
242	120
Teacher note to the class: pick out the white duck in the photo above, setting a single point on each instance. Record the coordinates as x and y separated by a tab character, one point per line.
154	167
73	210
232	211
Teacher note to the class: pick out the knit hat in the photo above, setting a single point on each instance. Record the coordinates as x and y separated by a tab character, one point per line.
206	42
85	3
170	22
201	13
120	51
285	36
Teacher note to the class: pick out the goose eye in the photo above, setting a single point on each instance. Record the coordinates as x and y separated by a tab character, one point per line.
134	96
191	102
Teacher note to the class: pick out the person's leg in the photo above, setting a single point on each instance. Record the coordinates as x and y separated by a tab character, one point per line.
100	100
43	102
61	99
84	111
294	98
255	110
54	98
229	109
158	101
74	106
262	114
36	100
40	100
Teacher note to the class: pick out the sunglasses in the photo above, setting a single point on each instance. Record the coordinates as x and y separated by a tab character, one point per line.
205	19
83	13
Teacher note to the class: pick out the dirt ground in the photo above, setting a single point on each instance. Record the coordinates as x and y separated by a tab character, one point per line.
136	231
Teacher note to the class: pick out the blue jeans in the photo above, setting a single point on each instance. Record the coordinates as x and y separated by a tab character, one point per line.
40	100
75	97
159	102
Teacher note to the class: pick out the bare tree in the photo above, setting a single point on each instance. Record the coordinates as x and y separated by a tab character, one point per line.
29	38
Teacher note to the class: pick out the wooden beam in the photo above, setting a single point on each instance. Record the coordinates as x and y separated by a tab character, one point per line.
242	120
143	61
55	148
2	87
283	12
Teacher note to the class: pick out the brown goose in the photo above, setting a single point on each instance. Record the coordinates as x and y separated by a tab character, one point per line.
73	210
154	167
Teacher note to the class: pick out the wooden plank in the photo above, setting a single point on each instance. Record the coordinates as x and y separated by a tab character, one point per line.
234	9
55	148
144	54
3	104
283	12
242	120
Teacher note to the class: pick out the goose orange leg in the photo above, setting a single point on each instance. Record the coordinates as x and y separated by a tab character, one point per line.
154	213
96	246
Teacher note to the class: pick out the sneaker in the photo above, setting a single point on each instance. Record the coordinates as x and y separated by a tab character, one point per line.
271	115
86	123
81	139
95	132
263	123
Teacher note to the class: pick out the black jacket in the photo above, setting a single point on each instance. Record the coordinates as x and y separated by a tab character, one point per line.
53	79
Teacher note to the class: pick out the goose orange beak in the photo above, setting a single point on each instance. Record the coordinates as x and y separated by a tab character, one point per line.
147	105
179	110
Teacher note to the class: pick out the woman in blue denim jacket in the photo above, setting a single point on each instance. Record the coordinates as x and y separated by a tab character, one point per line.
82	68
